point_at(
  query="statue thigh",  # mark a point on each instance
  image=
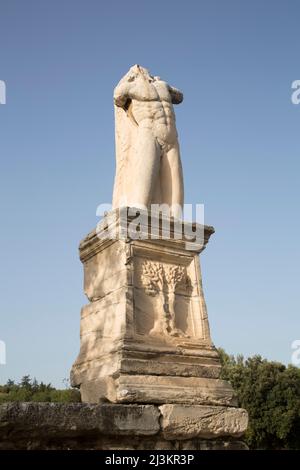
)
(144, 169)
(171, 175)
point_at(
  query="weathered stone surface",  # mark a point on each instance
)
(51, 419)
(35, 426)
(184, 365)
(163, 389)
(105, 272)
(98, 391)
(158, 389)
(187, 422)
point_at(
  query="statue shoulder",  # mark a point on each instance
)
(163, 90)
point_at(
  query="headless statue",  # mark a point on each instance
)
(148, 169)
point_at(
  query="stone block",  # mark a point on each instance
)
(206, 422)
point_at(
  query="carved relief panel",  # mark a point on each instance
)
(167, 296)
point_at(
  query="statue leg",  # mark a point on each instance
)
(145, 169)
(172, 181)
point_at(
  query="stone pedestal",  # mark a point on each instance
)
(144, 334)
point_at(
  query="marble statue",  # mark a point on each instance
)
(144, 332)
(148, 169)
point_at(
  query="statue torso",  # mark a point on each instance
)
(152, 108)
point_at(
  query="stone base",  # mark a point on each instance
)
(159, 389)
(145, 339)
(121, 427)
(144, 335)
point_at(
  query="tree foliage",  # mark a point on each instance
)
(30, 390)
(270, 392)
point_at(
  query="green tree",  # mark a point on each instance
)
(26, 382)
(270, 392)
(32, 390)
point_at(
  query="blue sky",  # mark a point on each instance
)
(235, 62)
